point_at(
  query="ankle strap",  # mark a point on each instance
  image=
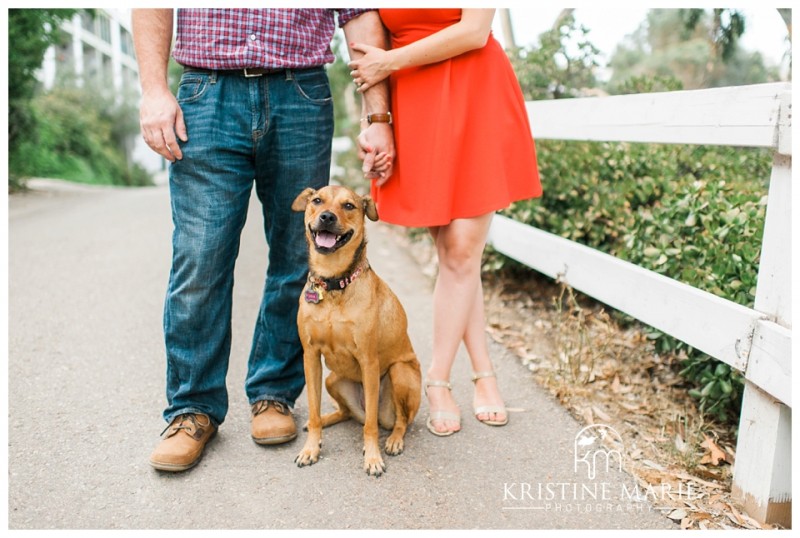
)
(480, 375)
(438, 383)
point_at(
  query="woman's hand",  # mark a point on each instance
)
(371, 68)
(376, 150)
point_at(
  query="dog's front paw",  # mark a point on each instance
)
(307, 456)
(394, 445)
(373, 465)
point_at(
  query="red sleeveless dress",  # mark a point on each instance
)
(463, 140)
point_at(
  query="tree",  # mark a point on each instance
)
(30, 33)
(562, 66)
(786, 15)
(723, 32)
(694, 48)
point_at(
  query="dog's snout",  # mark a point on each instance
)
(327, 217)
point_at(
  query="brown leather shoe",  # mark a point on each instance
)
(272, 423)
(183, 442)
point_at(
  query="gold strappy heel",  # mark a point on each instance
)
(440, 415)
(489, 408)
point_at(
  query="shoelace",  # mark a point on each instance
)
(263, 405)
(180, 424)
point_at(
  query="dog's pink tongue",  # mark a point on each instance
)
(325, 239)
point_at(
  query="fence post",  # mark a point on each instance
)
(762, 477)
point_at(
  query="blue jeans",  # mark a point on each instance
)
(274, 130)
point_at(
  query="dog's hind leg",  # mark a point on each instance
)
(348, 396)
(406, 382)
(386, 413)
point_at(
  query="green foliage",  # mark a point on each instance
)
(706, 233)
(699, 48)
(30, 33)
(693, 213)
(724, 31)
(80, 136)
(645, 84)
(719, 391)
(561, 66)
(346, 101)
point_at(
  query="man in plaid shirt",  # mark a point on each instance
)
(253, 106)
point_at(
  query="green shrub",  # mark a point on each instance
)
(78, 136)
(692, 213)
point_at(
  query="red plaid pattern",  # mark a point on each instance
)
(270, 38)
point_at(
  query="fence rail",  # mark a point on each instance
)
(756, 341)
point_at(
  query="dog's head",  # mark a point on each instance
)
(334, 217)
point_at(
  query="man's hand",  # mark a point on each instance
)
(161, 119)
(376, 149)
(160, 116)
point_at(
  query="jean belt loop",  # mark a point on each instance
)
(213, 77)
(289, 74)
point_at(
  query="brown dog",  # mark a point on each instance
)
(351, 317)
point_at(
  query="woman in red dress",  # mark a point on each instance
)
(464, 150)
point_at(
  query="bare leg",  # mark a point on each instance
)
(460, 247)
(486, 391)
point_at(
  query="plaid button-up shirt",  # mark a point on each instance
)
(270, 38)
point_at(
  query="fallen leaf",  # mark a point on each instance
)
(685, 476)
(680, 444)
(587, 416)
(653, 465)
(739, 521)
(677, 514)
(615, 385)
(715, 454)
(743, 519)
(730, 455)
(601, 415)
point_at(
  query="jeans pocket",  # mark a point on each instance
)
(192, 87)
(313, 85)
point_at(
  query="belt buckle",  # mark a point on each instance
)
(248, 74)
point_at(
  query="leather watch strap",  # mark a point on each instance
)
(379, 118)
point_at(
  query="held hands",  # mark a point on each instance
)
(377, 164)
(370, 68)
(376, 141)
(161, 119)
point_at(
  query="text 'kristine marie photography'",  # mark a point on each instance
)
(597, 448)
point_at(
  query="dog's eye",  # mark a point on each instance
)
(316, 201)
(348, 206)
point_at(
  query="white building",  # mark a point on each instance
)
(99, 49)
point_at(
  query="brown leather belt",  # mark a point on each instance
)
(246, 72)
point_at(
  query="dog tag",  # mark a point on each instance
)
(313, 295)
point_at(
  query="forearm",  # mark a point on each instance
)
(367, 28)
(470, 33)
(152, 39)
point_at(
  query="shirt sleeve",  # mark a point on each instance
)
(345, 15)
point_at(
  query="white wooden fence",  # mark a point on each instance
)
(755, 341)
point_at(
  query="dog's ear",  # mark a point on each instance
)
(301, 201)
(369, 208)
